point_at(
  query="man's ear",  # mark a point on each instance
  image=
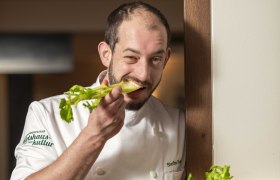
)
(168, 54)
(105, 53)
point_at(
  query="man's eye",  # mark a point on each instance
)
(131, 59)
(157, 60)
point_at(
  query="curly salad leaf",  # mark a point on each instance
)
(216, 173)
(78, 93)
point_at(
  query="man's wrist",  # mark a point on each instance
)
(92, 139)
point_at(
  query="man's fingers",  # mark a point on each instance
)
(105, 82)
(114, 95)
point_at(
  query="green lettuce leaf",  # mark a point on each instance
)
(77, 93)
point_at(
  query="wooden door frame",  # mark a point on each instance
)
(4, 126)
(198, 81)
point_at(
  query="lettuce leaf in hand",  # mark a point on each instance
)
(78, 93)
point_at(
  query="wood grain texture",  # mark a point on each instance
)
(198, 86)
(4, 135)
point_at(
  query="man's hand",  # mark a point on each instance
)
(107, 119)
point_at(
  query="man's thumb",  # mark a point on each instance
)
(105, 82)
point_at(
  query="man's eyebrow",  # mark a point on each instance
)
(161, 51)
(132, 50)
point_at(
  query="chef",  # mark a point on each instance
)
(128, 136)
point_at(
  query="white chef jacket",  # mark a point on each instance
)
(150, 145)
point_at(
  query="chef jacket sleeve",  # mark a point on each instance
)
(35, 149)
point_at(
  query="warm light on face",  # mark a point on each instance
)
(139, 55)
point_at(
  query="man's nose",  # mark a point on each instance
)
(143, 70)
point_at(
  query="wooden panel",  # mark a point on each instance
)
(198, 86)
(71, 15)
(3, 128)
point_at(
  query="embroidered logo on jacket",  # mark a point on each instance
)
(38, 138)
(173, 163)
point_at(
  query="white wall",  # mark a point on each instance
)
(246, 87)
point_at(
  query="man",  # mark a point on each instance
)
(128, 136)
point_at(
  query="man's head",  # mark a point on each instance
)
(125, 12)
(136, 48)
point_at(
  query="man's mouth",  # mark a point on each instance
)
(137, 92)
(142, 87)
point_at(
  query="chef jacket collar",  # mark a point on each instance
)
(99, 78)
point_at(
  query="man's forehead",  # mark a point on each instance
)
(142, 19)
(139, 28)
(148, 18)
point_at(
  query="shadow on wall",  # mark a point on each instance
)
(198, 100)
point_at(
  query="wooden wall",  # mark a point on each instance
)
(198, 86)
(4, 128)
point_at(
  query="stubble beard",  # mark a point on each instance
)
(129, 106)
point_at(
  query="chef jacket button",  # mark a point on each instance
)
(153, 174)
(100, 171)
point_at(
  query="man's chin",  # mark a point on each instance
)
(136, 105)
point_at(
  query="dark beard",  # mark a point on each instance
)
(113, 80)
(137, 106)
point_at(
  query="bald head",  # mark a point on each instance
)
(148, 19)
(149, 16)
